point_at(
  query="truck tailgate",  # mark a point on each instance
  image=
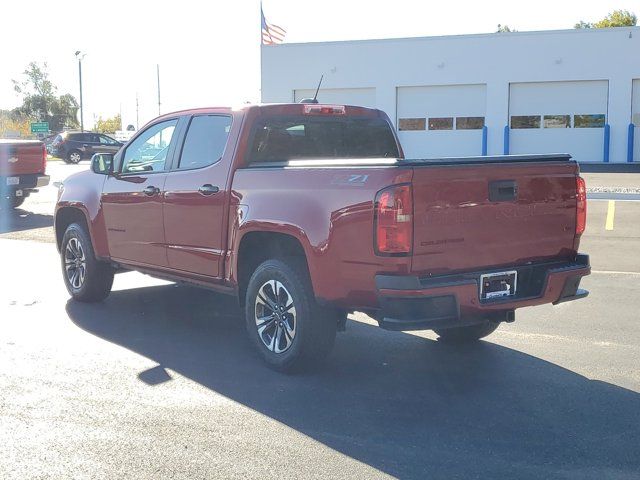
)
(483, 216)
(21, 157)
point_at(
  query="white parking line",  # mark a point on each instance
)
(616, 272)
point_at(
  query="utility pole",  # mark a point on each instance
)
(80, 56)
(158, 73)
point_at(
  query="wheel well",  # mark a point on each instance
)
(65, 217)
(257, 247)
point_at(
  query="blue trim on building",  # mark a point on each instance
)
(607, 141)
(505, 149)
(630, 139)
(485, 132)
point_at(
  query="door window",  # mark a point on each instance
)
(148, 152)
(104, 140)
(205, 141)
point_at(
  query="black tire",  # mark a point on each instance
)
(95, 284)
(17, 201)
(467, 334)
(314, 328)
(73, 157)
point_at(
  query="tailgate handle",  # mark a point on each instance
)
(503, 190)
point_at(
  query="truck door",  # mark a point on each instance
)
(195, 202)
(132, 198)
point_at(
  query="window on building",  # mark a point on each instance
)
(557, 121)
(412, 124)
(469, 123)
(525, 121)
(441, 123)
(205, 141)
(589, 121)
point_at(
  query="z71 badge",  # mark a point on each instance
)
(354, 180)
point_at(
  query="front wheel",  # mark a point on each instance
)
(288, 328)
(87, 279)
(467, 334)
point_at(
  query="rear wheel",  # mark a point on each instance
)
(469, 333)
(74, 156)
(87, 279)
(288, 328)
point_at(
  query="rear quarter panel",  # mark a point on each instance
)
(330, 211)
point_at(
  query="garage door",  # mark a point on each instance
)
(363, 97)
(441, 120)
(559, 117)
(635, 119)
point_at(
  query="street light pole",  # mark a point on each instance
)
(80, 56)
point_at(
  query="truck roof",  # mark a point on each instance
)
(276, 109)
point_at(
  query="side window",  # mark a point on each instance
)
(104, 140)
(205, 141)
(91, 138)
(148, 152)
(81, 137)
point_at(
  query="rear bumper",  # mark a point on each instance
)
(420, 303)
(26, 183)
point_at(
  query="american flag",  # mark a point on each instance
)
(271, 34)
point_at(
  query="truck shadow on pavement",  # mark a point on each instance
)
(18, 220)
(405, 405)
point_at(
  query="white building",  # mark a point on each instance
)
(575, 91)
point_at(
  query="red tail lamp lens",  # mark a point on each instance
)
(394, 220)
(581, 205)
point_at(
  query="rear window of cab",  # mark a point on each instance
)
(278, 139)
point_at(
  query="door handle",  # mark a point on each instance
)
(208, 189)
(151, 190)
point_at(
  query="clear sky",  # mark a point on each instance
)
(209, 50)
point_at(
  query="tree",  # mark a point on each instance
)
(505, 29)
(617, 18)
(108, 125)
(583, 24)
(40, 102)
(11, 124)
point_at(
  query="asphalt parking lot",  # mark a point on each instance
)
(159, 381)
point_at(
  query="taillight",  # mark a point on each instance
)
(393, 224)
(581, 205)
(314, 109)
(44, 158)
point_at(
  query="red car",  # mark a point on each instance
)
(22, 170)
(307, 212)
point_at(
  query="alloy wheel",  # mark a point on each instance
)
(275, 316)
(75, 263)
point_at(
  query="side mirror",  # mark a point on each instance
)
(102, 163)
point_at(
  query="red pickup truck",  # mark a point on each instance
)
(22, 170)
(307, 212)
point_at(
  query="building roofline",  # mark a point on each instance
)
(571, 31)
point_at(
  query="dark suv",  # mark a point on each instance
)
(75, 146)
